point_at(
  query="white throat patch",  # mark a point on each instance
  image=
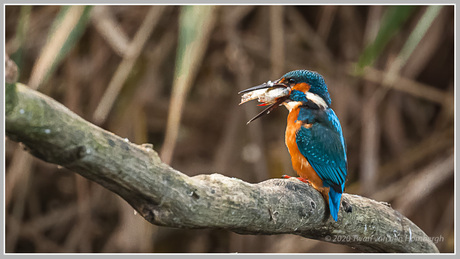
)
(291, 105)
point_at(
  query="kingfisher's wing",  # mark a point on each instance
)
(323, 146)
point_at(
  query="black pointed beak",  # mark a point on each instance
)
(262, 86)
(257, 87)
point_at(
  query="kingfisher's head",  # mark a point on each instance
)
(295, 88)
(306, 88)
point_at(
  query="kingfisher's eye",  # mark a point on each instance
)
(291, 80)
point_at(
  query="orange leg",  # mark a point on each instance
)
(298, 178)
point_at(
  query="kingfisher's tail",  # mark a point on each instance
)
(334, 203)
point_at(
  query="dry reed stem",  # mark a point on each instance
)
(53, 46)
(421, 184)
(277, 54)
(105, 24)
(191, 61)
(129, 59)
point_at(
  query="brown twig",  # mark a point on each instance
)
(431, 146)
(420, 185)
(105, 24)
(370, 143)
(124, 69)
(309, 35)
(326, 20)
(418, 188)
(406, 85)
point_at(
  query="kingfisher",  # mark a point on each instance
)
(313, 134)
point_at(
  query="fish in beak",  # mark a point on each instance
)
(270, 93)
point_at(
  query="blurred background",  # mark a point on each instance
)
(169, 75)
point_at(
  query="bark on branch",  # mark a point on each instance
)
(167, 197)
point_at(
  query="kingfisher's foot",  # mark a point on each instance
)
(298, 178)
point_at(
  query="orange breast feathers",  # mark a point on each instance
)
(299, 162)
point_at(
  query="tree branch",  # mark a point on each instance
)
(167, 197)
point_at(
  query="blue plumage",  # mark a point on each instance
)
(323, 146)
